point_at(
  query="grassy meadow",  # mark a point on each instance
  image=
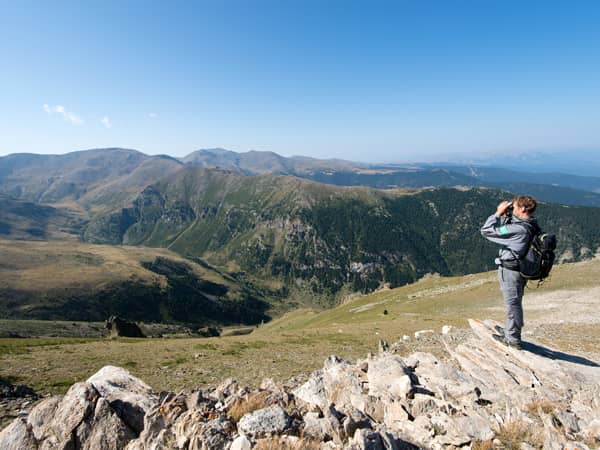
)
(74, 281)
(560, 313)
(38, 266)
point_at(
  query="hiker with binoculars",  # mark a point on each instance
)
(513, 227)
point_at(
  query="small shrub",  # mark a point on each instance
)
(513, 434)
(482, 445)
(546, 406)
(248, 403)
(438, 429)
(287, 443)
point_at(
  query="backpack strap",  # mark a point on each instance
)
(533, 229)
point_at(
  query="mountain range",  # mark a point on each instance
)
(262, 221)
(86, 175)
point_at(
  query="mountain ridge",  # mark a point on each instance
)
(301, 242)
(19, 178)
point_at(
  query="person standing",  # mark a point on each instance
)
(512, 226)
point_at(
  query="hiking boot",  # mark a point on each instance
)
(502, 340)
(499, 330)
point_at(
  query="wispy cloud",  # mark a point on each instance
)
(152, 115)
(106, 122)
(70, 117)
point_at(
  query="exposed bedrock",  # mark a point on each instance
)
(482, 393)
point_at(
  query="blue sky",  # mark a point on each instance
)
(371, 81)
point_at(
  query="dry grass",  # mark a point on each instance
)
(513, 434)
(287, 443)
(591, 441)
(545, 406)
(482, 445)
(42, 266)
(248, 403)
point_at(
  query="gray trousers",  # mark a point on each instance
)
(512, 285)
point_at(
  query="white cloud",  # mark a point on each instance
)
(153, 115)
(106, 122)
(70, 117)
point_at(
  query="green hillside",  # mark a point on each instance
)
(320, 242)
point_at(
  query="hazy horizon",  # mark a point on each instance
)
(475, 158)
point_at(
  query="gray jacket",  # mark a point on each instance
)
(514, 235)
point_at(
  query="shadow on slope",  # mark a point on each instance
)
(557, 355)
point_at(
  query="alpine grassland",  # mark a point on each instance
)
(58, 280)
(562, 313)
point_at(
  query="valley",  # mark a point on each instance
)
(108, 232)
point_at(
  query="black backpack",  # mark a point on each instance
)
(537, 262)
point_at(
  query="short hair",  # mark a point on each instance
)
(526, 201)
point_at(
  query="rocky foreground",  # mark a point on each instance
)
(484, 395)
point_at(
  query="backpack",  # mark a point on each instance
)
(537, 262)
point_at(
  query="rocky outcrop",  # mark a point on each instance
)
(118, 327)
(481, 395)
(106, 411)
(209, 331)
(9, 390)
(15, 401)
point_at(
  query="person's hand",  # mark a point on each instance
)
(502, 207)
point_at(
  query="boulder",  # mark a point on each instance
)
(316, 427)
(129, 396)
(264, 421)
(209, 331)
(17, 436)
(339, 382)
(119, 327)
(184, 421)
(103, 429)
(15, 401)
(60, 428)
(366, 440)
(389, 376)
(212, 434)
(104, 412)
(241, 443)
(10, 391)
